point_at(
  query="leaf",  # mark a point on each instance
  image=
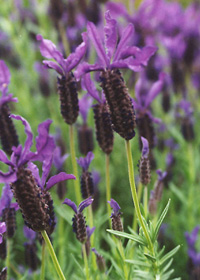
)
(167, 266)
(178, 193)
(169, 255)
(140, 263)
(151, 258)
(160, 220)
(133, 237)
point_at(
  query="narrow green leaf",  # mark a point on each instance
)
(127, 235)
(167, 266)
(169, 255)
(140, 263)
(151, 258)
(160, 220)
(178, 193)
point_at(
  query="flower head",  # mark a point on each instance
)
(85, 162)
(191, 239)
(145, 147)
(112, 55)
(62, 66)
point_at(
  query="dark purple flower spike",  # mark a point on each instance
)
(116, 215)
(103, 125)
(87, 185)
(144, 164)
(100, 261)
(2, 230)
(8, 133)
(85, 133)
(79, 224)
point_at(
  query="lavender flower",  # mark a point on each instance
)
(8, 210)
(87, 243)
(191, 239)
(8, 133)
(85, 137)
(67, 87)
(116, 215)
(79, 224)
(144, 165)
(31, 258)
(29, 196)
(87, 185)
(104, 132)
(100, 261)
(122, 56)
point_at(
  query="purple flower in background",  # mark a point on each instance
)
(145, 147)
(191, 239)
(85, 104)
(2, 230)
(115, 55)
(29, 234)
(116, 215)
(161, 175)
(85, 162)
(58, 159)
(79, 224)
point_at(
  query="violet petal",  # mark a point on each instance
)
(85, 162)
(53, 65)
(90, 87)
(71, 204)
(85, 68)
(4, 75)
(94, 36)
(155, 90)
(114, 205)
(85, 204)
(145, 147)
(126, 36)
(29, 233)
(110, 31)
(62, 176)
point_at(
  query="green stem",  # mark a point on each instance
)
(74, 165)
(53, 255)
(90, 215)
(134, 195)
(85, 262)
(108, 191)
(9, 243)
(139, 194)
(145, 201)
(121, 250)
(61, 240)
(43, 262)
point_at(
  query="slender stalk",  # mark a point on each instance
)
(108, 191)
(85, 262)
(43, 262)
(19, 275)
(139, 194)
(9, 243)
(121, 250)
(134, 195)
(61, 240)
(145, 202)
(90, 216)
(74, 165)
(53, 255)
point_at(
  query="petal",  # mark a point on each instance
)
(129, 51)
(29, 138)
(29, 233)
(53, 65)
(110, 31)
(15, 206)
(2, 227)
(161, 175)
(126, 36)
(7, 98)
(85, 204)
(85, 104)
(145, 147)
(45, 144)
(46, 168)
(85, 68)
(8, 177)
(85, 162)
(4, 75)
(95, 38)
(71, 204)
(59, 160)
(155, 90)
(4, 159)
(62, 176)
(90, 231)
(49, 50)
(90, 87)
(74, 58)
(114, 205)
(130, 63)
(145, 54)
